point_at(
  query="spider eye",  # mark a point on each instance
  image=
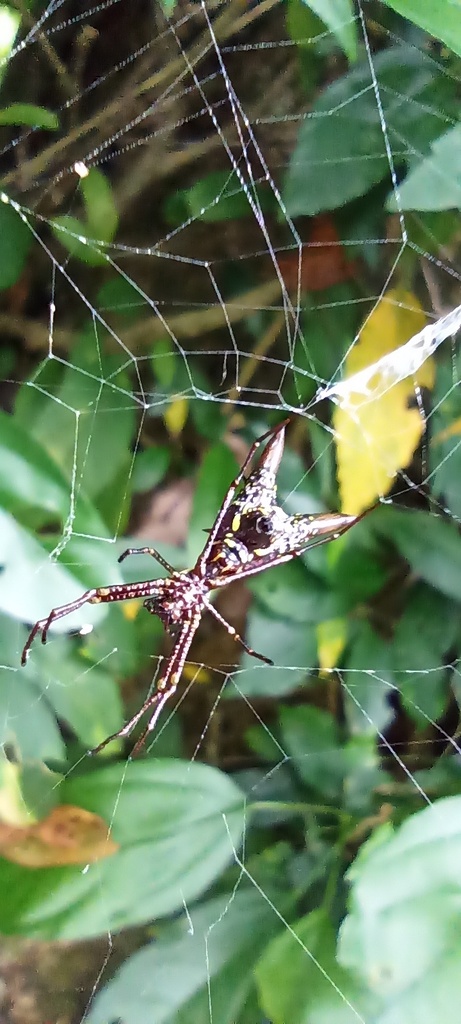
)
(263, 524)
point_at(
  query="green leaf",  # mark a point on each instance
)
(28, 474)
(177, 825)
(421, 643)
(29, 114)
(88, 424)
(85, 240)
(11, 21)
(402, 937)
(439, 18)
(27, 721)
(16, 242)
(340, 152)
(310, 737)
(165, 359)
(216, 472)
(30, 583)
(367, 682)
(120, 297)
(79, 240)
(300, 981)
(431, 545)
(150, 467)
(211, 952)
(295, 592)
(445, 449)
(30, 478)
(84, 696)
(101, 212)
(339, 18)
(207, 418)
(434, 182)
(216, 197)
(356, 573)
(292, 647)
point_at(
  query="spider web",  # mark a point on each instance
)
(185, 316)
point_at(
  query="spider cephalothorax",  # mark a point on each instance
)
(251, 532)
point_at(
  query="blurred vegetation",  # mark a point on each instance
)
(309, 869)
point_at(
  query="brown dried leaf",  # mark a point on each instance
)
(68, 835)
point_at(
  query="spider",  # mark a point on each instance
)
(251, 532)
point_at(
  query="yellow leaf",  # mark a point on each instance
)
(176, 415)
(331, 641)
(196, 675)
(130, 609)
(378, 432)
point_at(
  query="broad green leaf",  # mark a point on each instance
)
(401, 936)
(291, 646)
(29, 114)
(16, 242)
(84, 696)
(28, 474)
(150, 467)
(294, 592)
(177, 825)
(300, 981)
(208, 955)
(340, 773)
(89, 426)
(29, 477)
(340, 152)
(434, 182)
(28, 792)
(310, 737)
(439, 18)
(28, 725)
(31, 584)
(356, 573)
(430, 544)
(422, 640)
(207, 418)
(377, 431)
(367, 682)
(339, 18)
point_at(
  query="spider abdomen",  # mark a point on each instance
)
(178, 599)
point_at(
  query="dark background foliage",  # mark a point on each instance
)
(265, 188)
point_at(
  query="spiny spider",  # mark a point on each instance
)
(250, 533)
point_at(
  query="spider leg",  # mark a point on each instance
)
(166, 688)
(98, 595)
(43, 625)
(147, 551)
(236, 636)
